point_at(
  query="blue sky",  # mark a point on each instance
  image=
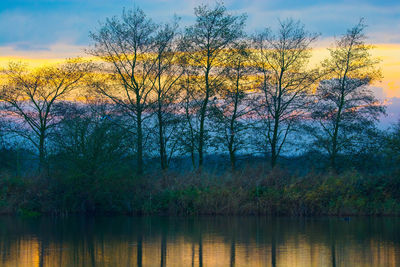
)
(36, 25)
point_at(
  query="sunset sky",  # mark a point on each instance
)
(41, 31)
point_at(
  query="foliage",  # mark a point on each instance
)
(248, 191)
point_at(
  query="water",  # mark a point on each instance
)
(203, 241)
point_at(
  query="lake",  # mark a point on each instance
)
(199, 241)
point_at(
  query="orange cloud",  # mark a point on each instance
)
(388, 53)
(390, 66)
(390, 56)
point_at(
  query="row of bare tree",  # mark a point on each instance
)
(207, 85)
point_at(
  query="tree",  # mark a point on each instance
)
(166, 90)
(188, 131)
(29, 97)
(345, 107)
(204, 45)
(285, 81)
(88, 137)
(230, 110)
(392, 146)
(127, 47)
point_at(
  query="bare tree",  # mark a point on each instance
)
(88, 136)
(204, 45)
(229, 112)
(126, 44)
(29, 97)
(286, 80)
(188, 131)
(166, 91)
(345, 106)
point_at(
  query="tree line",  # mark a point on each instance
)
(185, 92)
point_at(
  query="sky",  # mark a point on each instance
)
(50, 30)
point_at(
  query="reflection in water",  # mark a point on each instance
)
(203, 241)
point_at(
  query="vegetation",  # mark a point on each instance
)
(29, 98)
(285, 81)
(250, 191)
(204, 45)
(345, 108)
(201, 121)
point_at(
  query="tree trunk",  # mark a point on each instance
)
(201, 135)
(162, 141)
(139, 144)
(192, 157)
(232, 123)
(232, 157)
(202, 119)
(333, 160)
(274, 152)
(336, 130)
(231, 142)
(163, 153)
(274, 142)
(42, 153)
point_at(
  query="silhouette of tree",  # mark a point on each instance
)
(345, 107)
(29, 97)
(167, 91)
(204, 45)
(285, 81)
(234, 102)
(127, 46)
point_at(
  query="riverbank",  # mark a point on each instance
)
(246, 192)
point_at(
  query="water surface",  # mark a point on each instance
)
(202, 241)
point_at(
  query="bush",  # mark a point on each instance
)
(250, 191)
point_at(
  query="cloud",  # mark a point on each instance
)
(48, 21)
(330, 18)
(30, 47)
(34, 52)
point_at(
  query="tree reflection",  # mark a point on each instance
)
(201, 242)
